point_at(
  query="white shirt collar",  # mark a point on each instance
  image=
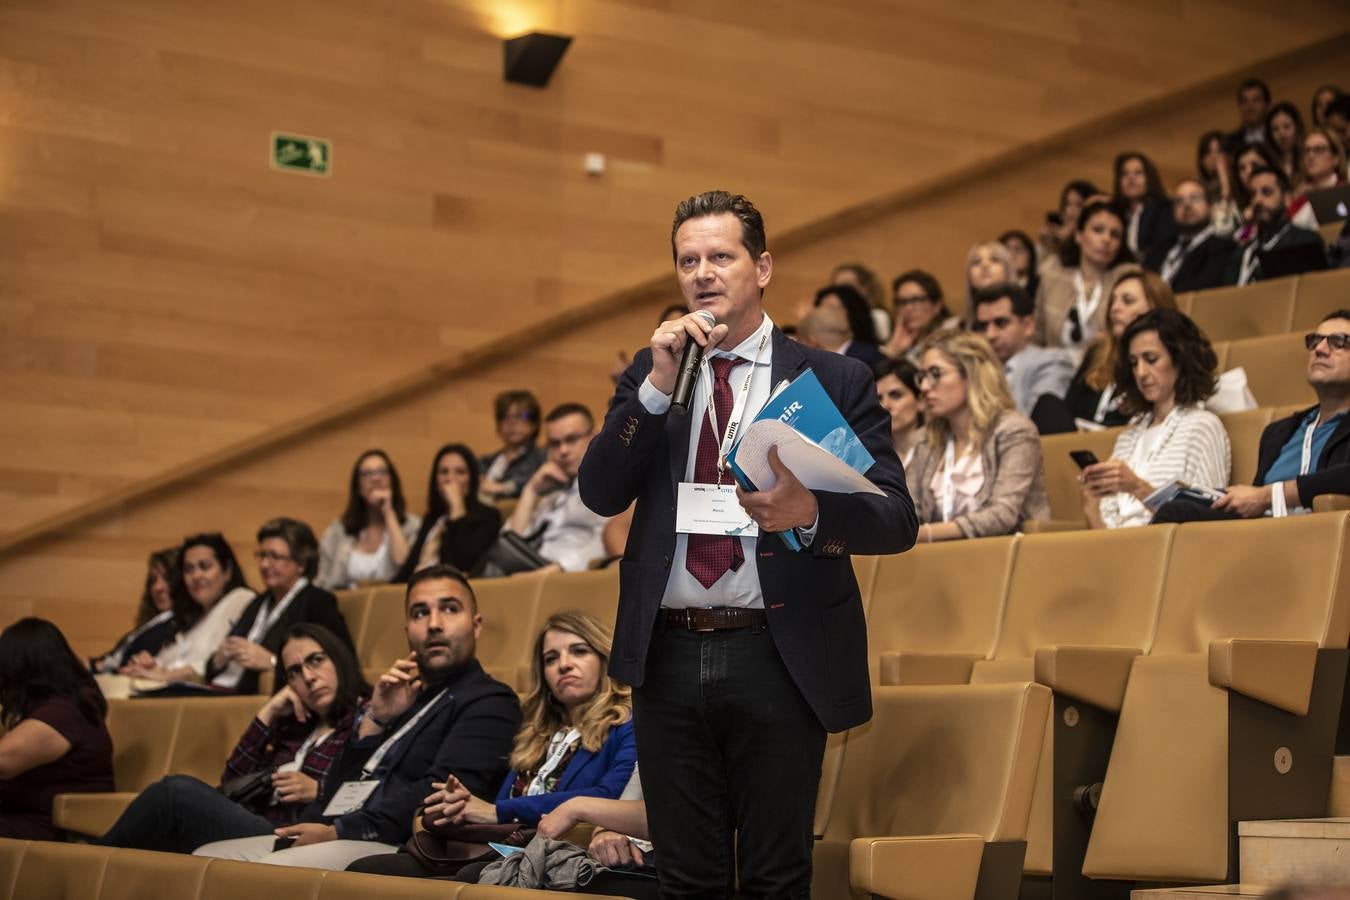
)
(747, 349)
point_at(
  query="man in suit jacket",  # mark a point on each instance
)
(1253, 99)
(288, 556)
(1006, 316)
(1270, 202)
(742, 653)
(1196, 260)
(1294, 465)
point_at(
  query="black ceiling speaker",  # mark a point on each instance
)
(531, 58)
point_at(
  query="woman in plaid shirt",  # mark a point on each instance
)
(295, 736)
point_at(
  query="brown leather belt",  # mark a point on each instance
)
(721, 618)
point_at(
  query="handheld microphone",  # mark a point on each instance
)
(690, 365)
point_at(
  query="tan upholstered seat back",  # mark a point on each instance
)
(1317, 294)
(941, 760)
(1234, 313)
(1244, 434)
(208, 730)
(355, 608)
(509, 607)
(1281, 579)
(865, 570)
(230, 880)
(11, 858)
(1061, 472)
(940, 598)
(1085, 587)
(61, 872)
(143, 733)
(383, 638)
(142, 875)
(595, 592)
(1276, 368)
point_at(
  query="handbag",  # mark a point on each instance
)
(511, 554)
(445, 849)
(252, 791)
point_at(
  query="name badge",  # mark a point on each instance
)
(350, 797)
(712, 509)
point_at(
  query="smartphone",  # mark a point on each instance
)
(282, 843)
(1084, 458)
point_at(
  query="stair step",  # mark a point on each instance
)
(1209, 892)
(1339, 802)
(1295, 851)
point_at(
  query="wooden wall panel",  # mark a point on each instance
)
(163, 294)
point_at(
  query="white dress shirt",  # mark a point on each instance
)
(194, 647)
(267, 616)
(574, 535)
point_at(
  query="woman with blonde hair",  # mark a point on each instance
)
(576, 739)
(988, 263)
(979, 470)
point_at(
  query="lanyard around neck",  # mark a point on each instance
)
(948, 488)
(737, 409)
(378, 756)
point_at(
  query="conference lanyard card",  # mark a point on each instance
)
(350, 797)
(712, 509)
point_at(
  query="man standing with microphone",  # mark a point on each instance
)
(742, 653)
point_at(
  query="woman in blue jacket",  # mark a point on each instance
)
(576, 740)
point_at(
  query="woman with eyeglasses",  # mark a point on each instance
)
(372, 539)
(278, 766)
(978, 471)
(1323, 167)
(154, 616)
(506, 472)
(1071, 303)
(287, 558)
(920, 310)
(1165, 368)
(458, 528)
(209, 594)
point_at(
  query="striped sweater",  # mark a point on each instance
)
(1193, 449)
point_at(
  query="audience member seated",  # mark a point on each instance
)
(1214, 168)
(898, 392)
(1270, 197)
(862, 342)
(1006, 317)
(867, 283)
(154, 616)
(517, 412)
(433, 716)
(619, 842)
(458, 528)
(1092, 400)
(1196, 260)
(275, 771)
(1251, 158)
(1323, 167)
(208, 597)
(1338, 119)
(288, 557)
(825, 328)
(1060, 225)
(1142, 199)
(1253, 99)
(978, 471)
(1284, 135)
(1026, 263)
(1293, 467)
(1165, 368)
(54, 740)
(576, 741)
(1069, 309)
(920, 311)
(372, 539)
(1321, 99)
(550, 514)
(987, 264)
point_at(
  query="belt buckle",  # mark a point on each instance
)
(706, 616)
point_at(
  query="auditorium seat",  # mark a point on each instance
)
(383, 638)
(355, 608)
(865, 570)
(1235, 685)
(509, 607)
(1061, 472)
(141, 874)
(61, 871)
(1276, 368)
(595, 591)
(933, 795)
(1234, 313)
(1244, 434)
(1317, 294)
(230, 880)
(936, 609)
(11, 858)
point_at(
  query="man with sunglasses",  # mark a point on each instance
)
(1006, 316)
(1301, 456)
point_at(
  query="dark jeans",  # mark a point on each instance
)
(1190, 511)
(178, 814)
(730, 756)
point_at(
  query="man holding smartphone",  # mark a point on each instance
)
(550, 507)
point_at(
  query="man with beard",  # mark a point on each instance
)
(1270, 200)
(1195, 261)
(435, 712)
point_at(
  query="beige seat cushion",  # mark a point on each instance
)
(1276, 368)
(1234, 313)
(65, 871)
(509, 607)
(595, 591)
(143, 733)
(1244, 435)
(11, 858)
(355, 608)
(230, 880)
(89, 814)
(383, 638)
(142, 875)
(1061, 472)
(209, 729)
(1319, 293)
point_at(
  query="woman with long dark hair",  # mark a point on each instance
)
(285, 752)
(1284, 135)
(371, 540)
(1071, 304)
(55, 741)
(208, 596)
(920, 311)
(1143, 201)
(851, 302)
(154, 615)
(1215, 171)
(458, 528)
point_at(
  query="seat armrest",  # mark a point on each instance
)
(89, 814)
(922, 867)
(1331, 502)
(1047, 526)
(1279, 673)
(1093, 675)
(911, 667)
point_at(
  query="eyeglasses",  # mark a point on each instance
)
(930, 375)
(1075, 326)
(373, 474)
(310, 663)
(1315, 149)
(268, 555)
(999, 323)
(1336, 340)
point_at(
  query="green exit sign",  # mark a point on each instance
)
(297, 153)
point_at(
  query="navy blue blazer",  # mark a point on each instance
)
(811, 598)
(604, 773)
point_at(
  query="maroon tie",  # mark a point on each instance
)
(710, 555)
